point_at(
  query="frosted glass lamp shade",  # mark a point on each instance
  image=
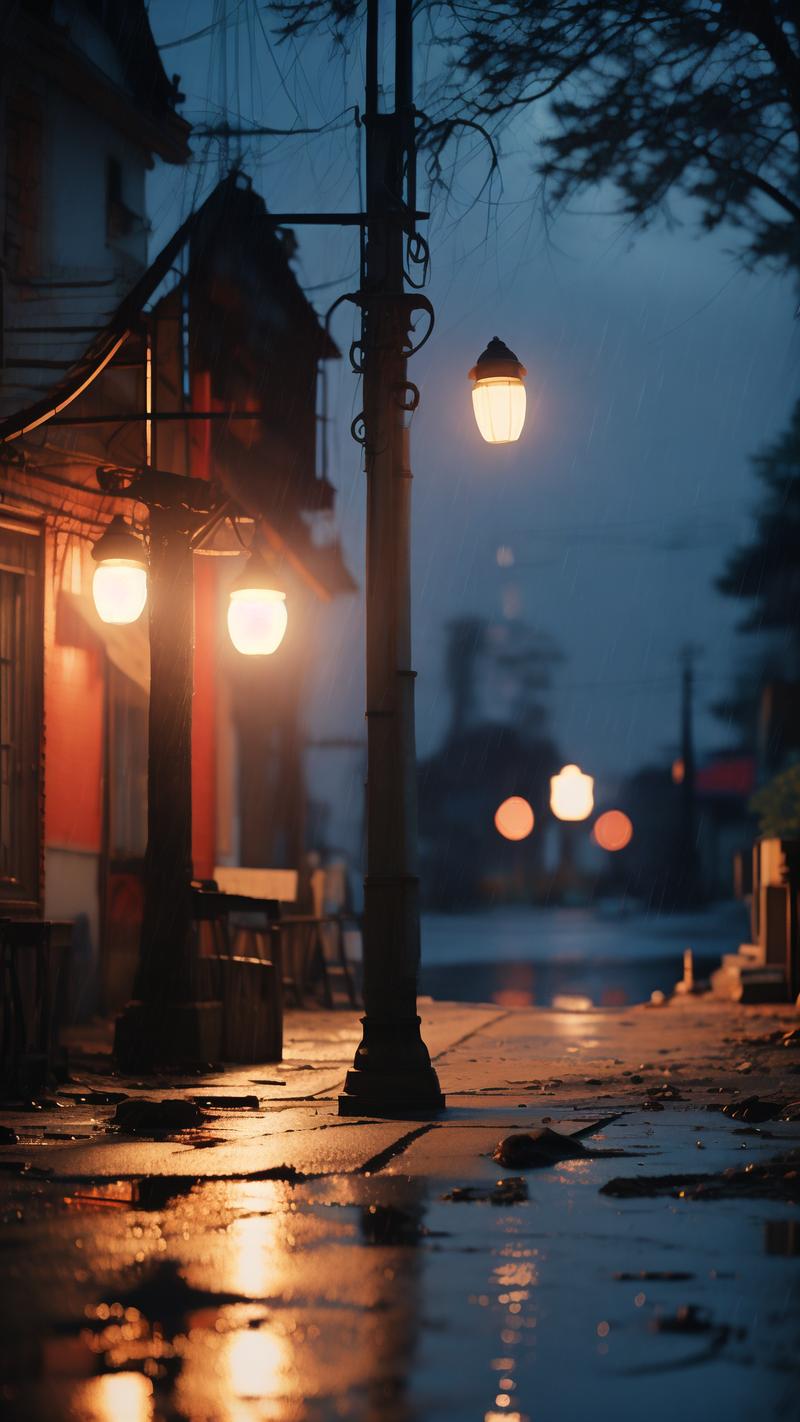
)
(119, 589)
(499, 407)
(119, 584)
(498, 394)
(257, 619)
(571, 794)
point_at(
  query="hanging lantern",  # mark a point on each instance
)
(498, 394)
(571, 794)
(119, 583)
(257, 615)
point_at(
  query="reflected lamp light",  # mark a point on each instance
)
(571, 794)
(257, 615)
(498, 394)
(119, 582)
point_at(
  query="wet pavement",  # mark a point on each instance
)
(273, 1262)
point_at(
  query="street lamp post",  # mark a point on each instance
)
(392, 1072)
(165, 1023)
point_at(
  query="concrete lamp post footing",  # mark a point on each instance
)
(168, 1035)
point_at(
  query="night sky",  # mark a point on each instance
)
(657, 366)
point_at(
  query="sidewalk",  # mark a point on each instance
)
(273, 1261)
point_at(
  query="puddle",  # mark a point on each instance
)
(370, 1297)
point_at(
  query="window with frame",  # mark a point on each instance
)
(21, 659)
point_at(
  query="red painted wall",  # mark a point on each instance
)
(204, 750)
(206, 614)
(73, 719)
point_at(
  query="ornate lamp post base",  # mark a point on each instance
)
(392, 1074)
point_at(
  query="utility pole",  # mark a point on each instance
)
(392, 1073)
(688, 823)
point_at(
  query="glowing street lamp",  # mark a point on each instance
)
(498, 394)
(571, 794)
(119, 582)
(257, 615)
(613, 831)
(514, 818)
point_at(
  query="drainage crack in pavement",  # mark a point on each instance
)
(471, 1033)
(391, 1152)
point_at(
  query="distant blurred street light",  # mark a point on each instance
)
(119, 583)
(514, 818)
(498, 394)
(257, 615)
(613, 831)
(571, 794)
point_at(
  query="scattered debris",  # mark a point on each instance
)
(389, 1225)
(228, 1103)
(745, 1068)
(543, 1147)
(139, 1117)
(8, 1136)
(540, 1147)
(650, 1105)
(689, 1318)
(25, 1167)
(777, 1179)
(653, 1276)
(95, 1098)
(752, 1109)
(511, 1191)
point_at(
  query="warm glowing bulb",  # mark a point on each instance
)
(514, 818)
(613, 831)
(257, 619)
(571, 794)
(499, 404)
(119, 589)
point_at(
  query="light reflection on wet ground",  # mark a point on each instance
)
(370, 1298)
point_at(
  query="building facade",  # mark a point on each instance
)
(201, 365)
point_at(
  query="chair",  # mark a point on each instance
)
(295, 931)
(329, 890)
(34, 960)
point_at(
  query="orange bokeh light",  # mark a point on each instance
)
(613, 830)
(514, 818)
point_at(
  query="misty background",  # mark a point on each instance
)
(656, 367)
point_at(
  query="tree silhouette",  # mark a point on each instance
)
(658, 98)
(766, 571)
